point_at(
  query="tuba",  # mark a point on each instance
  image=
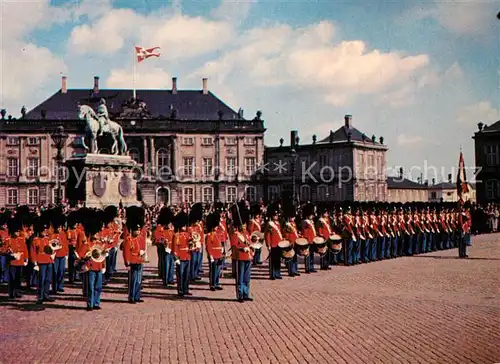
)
(51, 248)
(98, 253)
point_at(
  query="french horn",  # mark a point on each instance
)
(195, 240)
(51, 248)
(98, 253)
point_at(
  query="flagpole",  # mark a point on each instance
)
(134, 74)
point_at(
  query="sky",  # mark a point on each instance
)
(421, 74)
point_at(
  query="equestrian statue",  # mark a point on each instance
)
(98, 125)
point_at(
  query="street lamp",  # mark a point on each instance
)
(59, 138)
(293, 154)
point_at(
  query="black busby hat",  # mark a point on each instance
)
(196, 213)
(273, 209)
(239, 214)
(165, 217)
(213, 221)
(219, 206)
(110, 213)
(255, 210)
(4, 217)
(72, 219)
(180, 220)
(321, 208)
(135, 217)
(289, 210)
(57, 217)
(91, 220)
(308, 210)
(14, 225)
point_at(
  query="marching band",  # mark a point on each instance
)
(87, 241)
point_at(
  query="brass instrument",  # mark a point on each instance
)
(98, 253)
(51, 248)
(195, 242)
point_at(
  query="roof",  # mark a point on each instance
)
(444, 186)
(189, 104)
(405, 184)
(341, 135)
(493, 127)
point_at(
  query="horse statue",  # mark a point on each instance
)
(111, 128)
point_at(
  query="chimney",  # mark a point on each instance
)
(449, 177)
(64, 85)
(205, 86)
(174, 85)
(293, 138)
(348, 121)
(96, 84)
(433, 181)
(400, 172)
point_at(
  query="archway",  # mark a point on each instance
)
(163, 195)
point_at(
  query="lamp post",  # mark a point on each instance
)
(59, 138)
(293, 154)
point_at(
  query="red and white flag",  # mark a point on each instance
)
(462, 187)
(143, 53)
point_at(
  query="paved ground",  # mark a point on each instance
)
(432, 308)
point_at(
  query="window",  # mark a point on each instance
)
(230, 140)
(250, 165)
(491, 155)
(371, 161)
(54, 194)
(134, 154)
(59, 171)
(322, 193)
(323, 160)
(207, 141)
(492, 189)
(163, 158)
(188, 166)
(305, 193)
(13, 141)
(33, 167)
(249, 141)
(208, 194)
(12, 167)
(207, 166)
(433, 195)
(33, 140)
(272, 193)
(12, 196)
(188, 194)
(188, 141)
(32, 196)
(251, 193)
(231, 194)
(231, 166)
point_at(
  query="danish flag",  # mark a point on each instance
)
(143, 53)
(462, 187)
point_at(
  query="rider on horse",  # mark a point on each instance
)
(102, 115)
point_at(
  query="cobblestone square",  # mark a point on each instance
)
(431, 308)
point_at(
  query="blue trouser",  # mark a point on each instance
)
(160, 253)
(372, 254)
(244, 269)
(275, 263)
(462, 245)
(71, 264)
(309, 260)
(408, 245)
(183, 277)
(365, 250)
(387, 247)
(193, 266)
(395, 246)
(214, 269)
(4, 269)
(44, 280)
(59, 270)
(347, 253)
(291, 265)
(85, 283)
(381, 247)
(334, 257)
(15, 273)
(256, 257)
(423, 244)
(168, 268)
(95, 289)
(199, 264)
(233, 267)
(115, 259)
(429, 237)
(468, 239)
(415, 242)
(357, 251)
(443, 241)
(324, 260)
(110, 261)
(135, 282)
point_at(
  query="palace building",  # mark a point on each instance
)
(188, 144)
(346, 165)
(487, 151)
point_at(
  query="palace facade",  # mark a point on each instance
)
(346, 165)
(487, 153)
(188, 144)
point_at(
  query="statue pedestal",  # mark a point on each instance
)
(100, 180)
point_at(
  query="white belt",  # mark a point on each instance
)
(184, 249)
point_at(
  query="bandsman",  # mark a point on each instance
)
(181, 249)
(273, 236)
(58, 220)
(196, 227)
(291, 233)
(17, 252)
(325, 231)
(215, 250)
(164, 236)
(255, 224)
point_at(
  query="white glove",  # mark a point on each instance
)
(53, 256)
(177, 262)
(103, 270)
(36, 268)
(25, 263)
(246, 249)
(16, 256)
(212, 260)
(141, 252)
(107, 254)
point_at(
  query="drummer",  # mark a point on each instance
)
(325, 231)
(273, 237)
(309, 232)
(291, 234)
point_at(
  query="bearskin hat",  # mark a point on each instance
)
(91, 220)
(273, 209)
(255, 210)
(196, 213)
(181, 220)
(165, 217)
(4, 217)
(14, 224)
(289, 210)
(136, 217)
(111, 212)
(213, 221)
(240, 214)
(308, 210)
(73, 219)
(321, 209)
(57, 217)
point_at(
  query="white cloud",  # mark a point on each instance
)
(482, 111)
(404, 140)
(234, 11)
(153, 78)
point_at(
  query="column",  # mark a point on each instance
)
(146, 159)
(153, 156)
(173, 155)
(3, 156)
(216, 167)
(22, 157)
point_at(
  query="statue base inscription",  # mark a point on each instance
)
(99, 180)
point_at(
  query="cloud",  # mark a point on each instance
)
(309, 59)
(152, 78)
(234, 11)
(410, 140)
(481, 111)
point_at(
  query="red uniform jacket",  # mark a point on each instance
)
(290, 232)
(132, 247)
(18, 245)
(253, 226)
(71, 236)
(180, 246)
(214, 246)
(243, 251)
(273, 235)
(63, 241)
(221, 233)
(85, 247)
(308, 230)
(198, 227)
(324, 229)
(4, 234)
(158, 235)
(37, 253)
